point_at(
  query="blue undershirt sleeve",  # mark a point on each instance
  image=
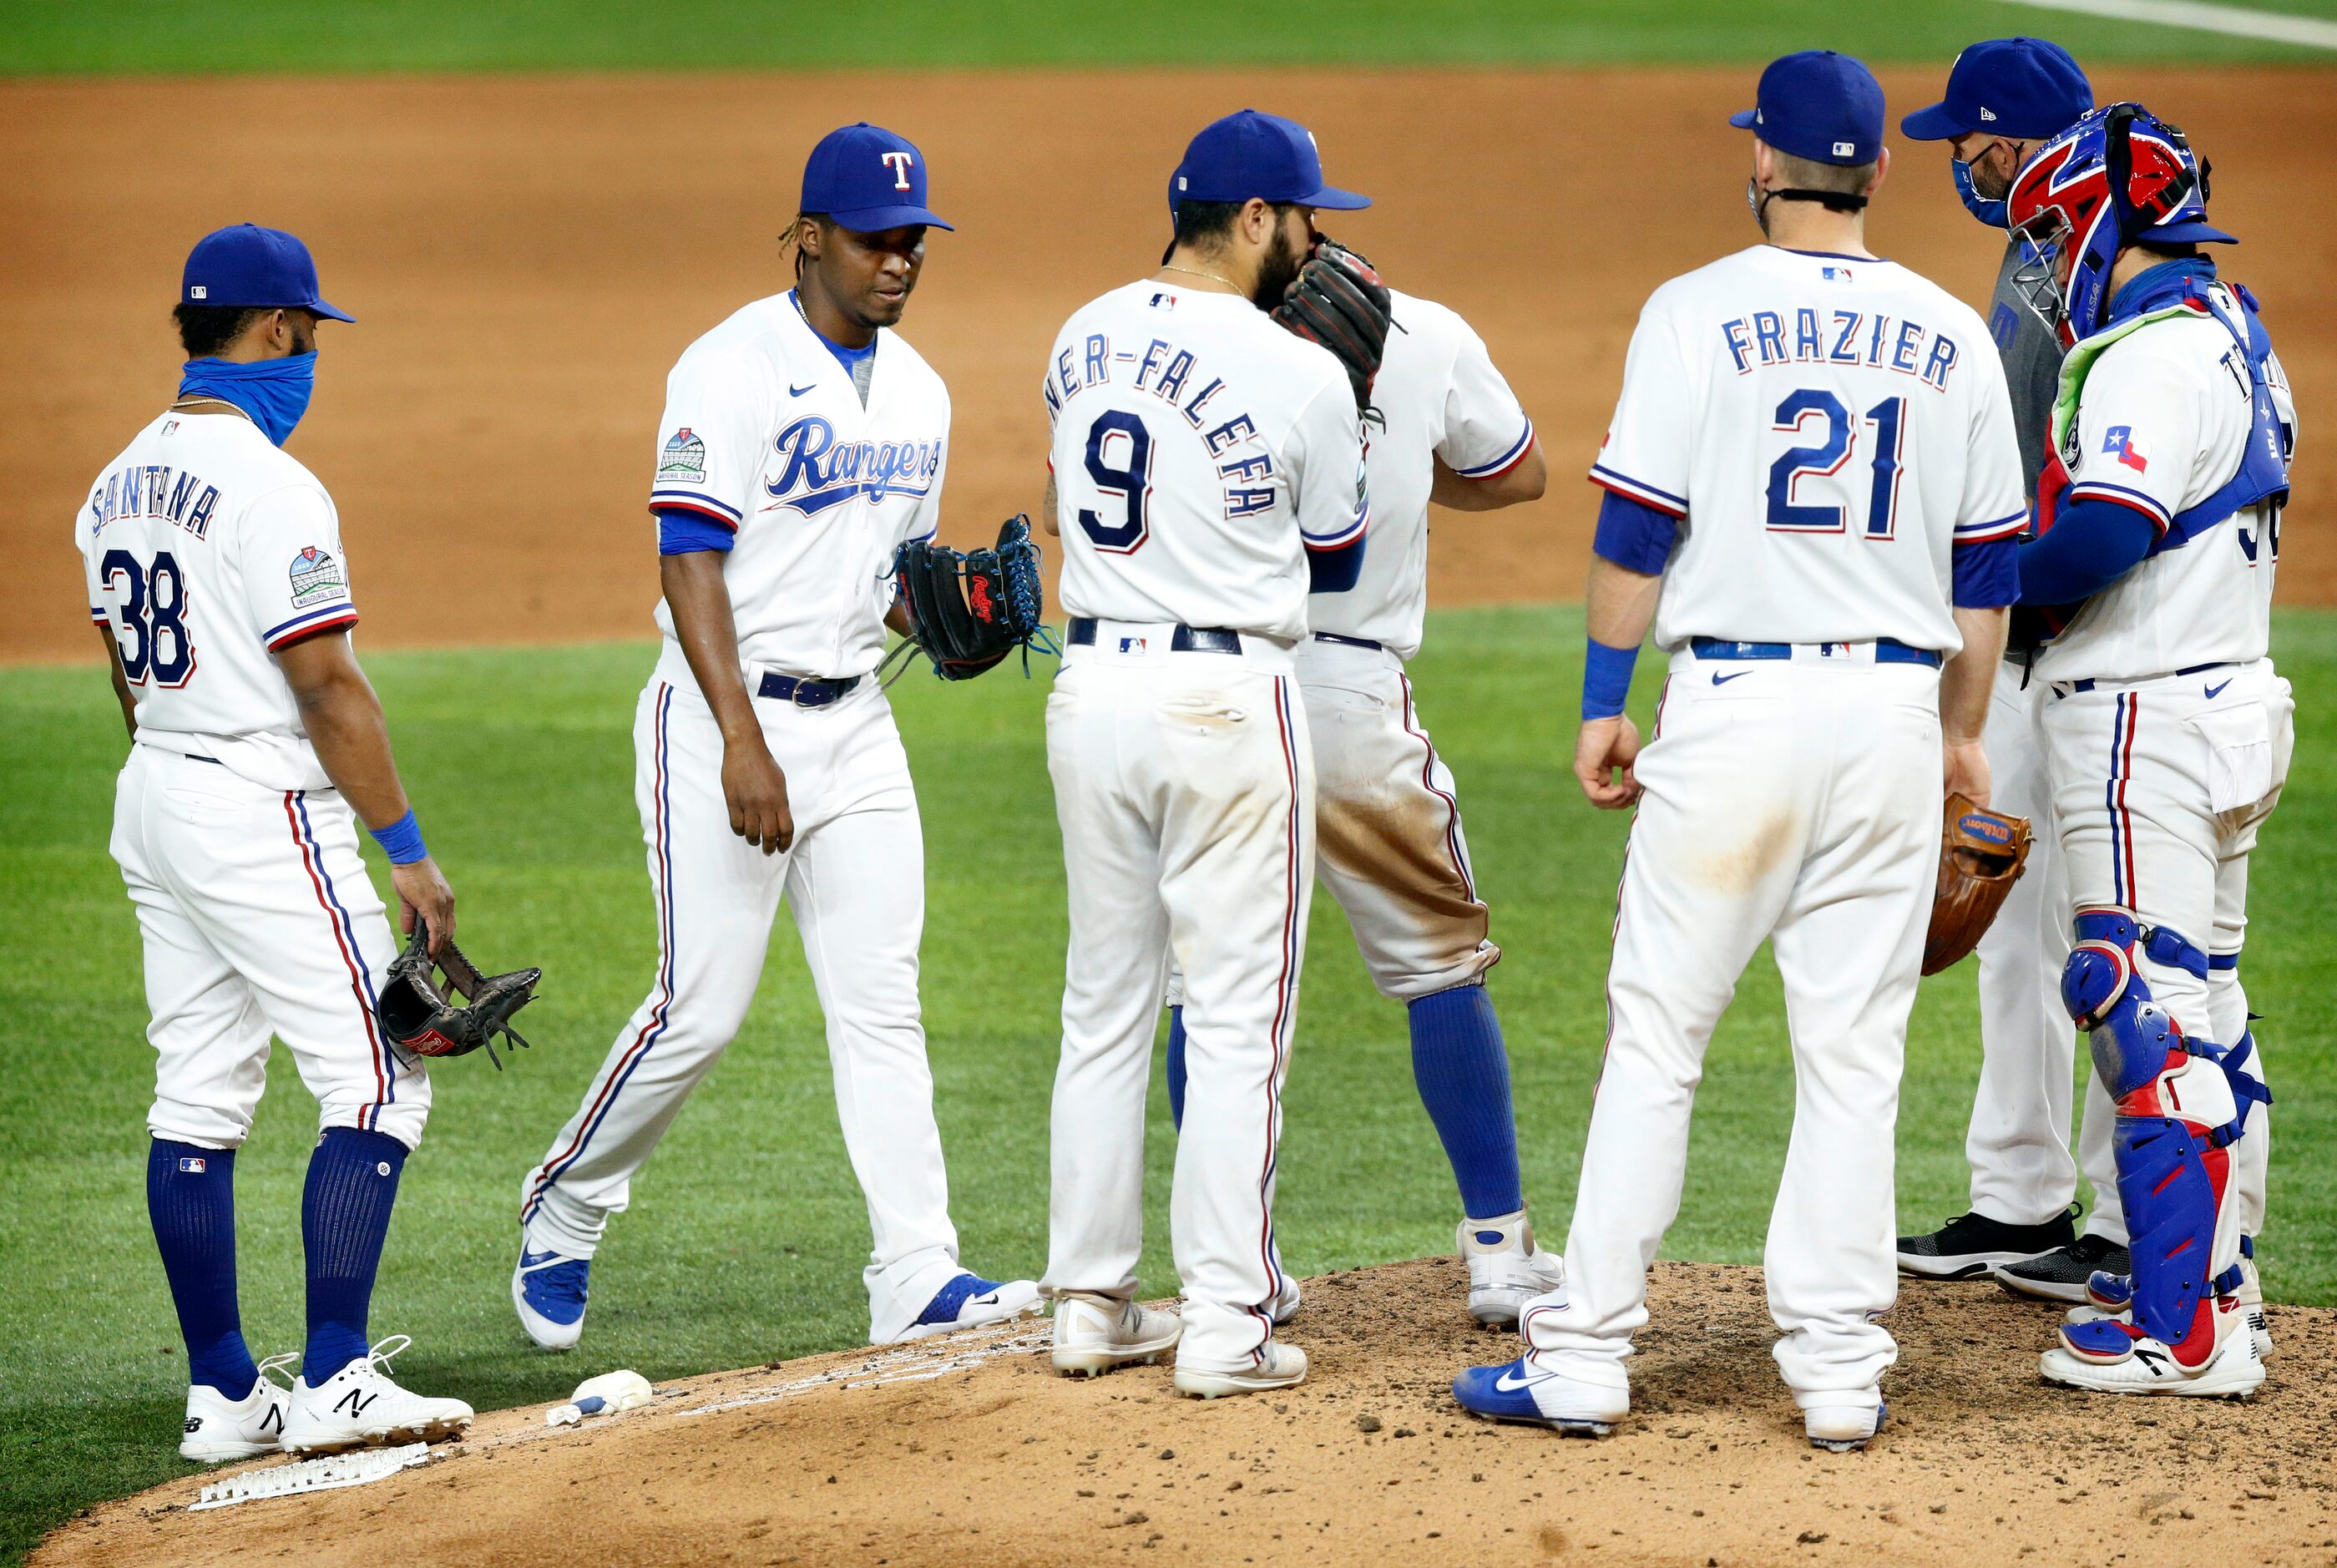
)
(1986, 574)
(2091, 545)
(1634, 535)
(679, 532)
(1336, 571)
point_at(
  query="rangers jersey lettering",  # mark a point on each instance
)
(1198, 451)
(1441, 397)
(765, 433)
(1829, 427)
(206, 549)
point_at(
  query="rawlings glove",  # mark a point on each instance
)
(1981, 855)
(1338, 301)
(419, 1016)
(969, 612)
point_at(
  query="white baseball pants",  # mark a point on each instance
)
(257, 919)
(1797, 802)
(2019, 1143)
(1184, 784)
(2160, 788)
(856, 880)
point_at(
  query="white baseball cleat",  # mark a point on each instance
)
(549, 1292)
(2234, 1372)
(1506, 1270)
(2108, 1297)
(969, 1301)
(220, 1428)
(1532, 1394)
(1278, 1366)
(360, 1408)
(1094, 1334)
(1846, 1427)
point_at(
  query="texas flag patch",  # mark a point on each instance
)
(2121, 440)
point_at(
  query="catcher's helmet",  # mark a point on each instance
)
(2117, 177)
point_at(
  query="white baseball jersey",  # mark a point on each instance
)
(206, 548)
(2161, 424)
(1829, 427)
(1442, 398)
(765, 434)
(1198, 450)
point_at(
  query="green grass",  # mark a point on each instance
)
(747, 1233)
(279, 35)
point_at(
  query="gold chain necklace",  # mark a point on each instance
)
(1212, 277)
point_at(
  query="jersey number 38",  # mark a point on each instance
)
(1815, 412)
(150, 624)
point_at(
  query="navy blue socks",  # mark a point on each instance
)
(344, 1219)
(190, 1198)
(1176, 1066)
(1464, 1073)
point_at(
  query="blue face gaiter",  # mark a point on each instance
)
(1992, 213)
(274, 392)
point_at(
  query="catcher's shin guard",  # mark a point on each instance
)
(2180, 1104)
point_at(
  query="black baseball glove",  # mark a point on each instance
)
(1338, 301)
(420, 1018)
(968, 612)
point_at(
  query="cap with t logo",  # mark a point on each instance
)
(865, 179)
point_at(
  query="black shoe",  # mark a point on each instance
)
(1972, 1244)
(2060, 1275)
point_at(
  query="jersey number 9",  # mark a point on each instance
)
(151, 625)
(1829, 457)
(1118, 433)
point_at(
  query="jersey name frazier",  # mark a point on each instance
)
(1873, 340)
(1177, 377)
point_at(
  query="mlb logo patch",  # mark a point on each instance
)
(1163, 300)
(1835, 274)
(190, 1166)
(2120, 440)
(1132, 645)
(1845, 149)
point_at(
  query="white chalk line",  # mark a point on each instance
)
(2235, 21)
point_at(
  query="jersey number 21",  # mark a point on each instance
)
(1837, 435)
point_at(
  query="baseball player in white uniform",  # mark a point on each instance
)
(218, 581)
(802, 443)
(1813, 487)
(2167, 731)
(2005, 98)
(1202, 457)
(1389, 841)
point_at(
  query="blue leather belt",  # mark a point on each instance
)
(1349, 642)
(802, 690)
(1887, 650)
(2071, 688)
(1182, 639)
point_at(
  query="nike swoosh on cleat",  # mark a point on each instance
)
(2215, 691)
(1510, 1384)
(989, 1300)
(1720, 680)
(796, 391)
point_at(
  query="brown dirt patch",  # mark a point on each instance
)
(856, 1458)
(529, 254)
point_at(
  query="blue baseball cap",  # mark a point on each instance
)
(1257, 154)
(2024, 88)
(254, 268)
(1820, 105)
(867, 179)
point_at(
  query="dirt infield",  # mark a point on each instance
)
(974, 1452)
(528, 255)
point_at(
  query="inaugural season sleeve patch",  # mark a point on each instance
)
(683, 462)
(315, 578)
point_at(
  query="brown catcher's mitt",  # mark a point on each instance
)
(1981, 855)
(1338, 301)
(420, 1016)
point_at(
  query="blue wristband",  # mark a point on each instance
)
(401, 840)
(1606, 678)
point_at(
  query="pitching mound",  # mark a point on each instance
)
(970, 1450)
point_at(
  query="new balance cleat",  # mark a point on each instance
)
(2110, 1356)
(220, 1428)
(1506, 1270)
(1531, 1394)
(1094, 1334)
(360, 1408)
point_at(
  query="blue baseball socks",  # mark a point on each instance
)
(190, 1198)
(344, 1219)
(1462, 1069)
